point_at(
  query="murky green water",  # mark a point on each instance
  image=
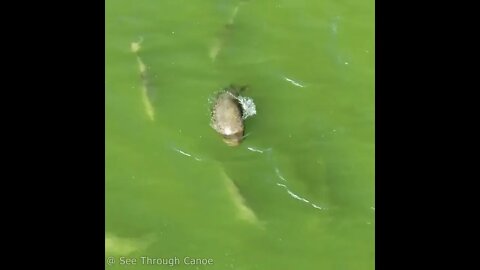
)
(298, 193)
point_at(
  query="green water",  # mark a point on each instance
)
(305, 172)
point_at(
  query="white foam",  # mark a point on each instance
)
(248, 106)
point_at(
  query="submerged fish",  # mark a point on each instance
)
(243, 210)
(226, 31)
(135, 48)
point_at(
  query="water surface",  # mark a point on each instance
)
(298, 193)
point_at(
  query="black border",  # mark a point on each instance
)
(55, 135)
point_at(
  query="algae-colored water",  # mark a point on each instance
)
(298, 193)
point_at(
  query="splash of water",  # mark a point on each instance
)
(248, 106)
